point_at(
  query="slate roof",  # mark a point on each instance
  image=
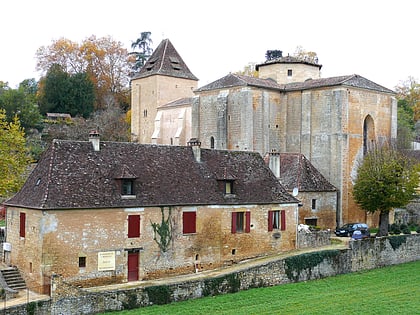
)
(179, 102)
(297, 171)
(234, 80)
(70, 174)
(288, 59)
(354, 80)
(165, 60)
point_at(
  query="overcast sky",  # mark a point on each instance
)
(378, 40)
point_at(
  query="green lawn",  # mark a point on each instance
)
(390, 290)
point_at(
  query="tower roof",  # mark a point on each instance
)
(289, 60)
(165, 60)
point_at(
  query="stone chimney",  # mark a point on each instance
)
(274, 163)
(195, 144)
(94, 138)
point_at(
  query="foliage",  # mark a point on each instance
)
(131, 302)
(308, 56)
(409, 92)
(67, 93)
(385, 180)
(14, 157)
(389, 290)
(164, 230)
(22, 103)
(294, 265)
(104, 60)
(145, 51)
(273, 54)
(159, 295)
(249, 70)
(397, 241)
(230, 283)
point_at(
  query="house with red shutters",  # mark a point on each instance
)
(97, 213)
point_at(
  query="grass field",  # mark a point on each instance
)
(390, 290)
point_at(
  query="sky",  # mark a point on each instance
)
(378, 40)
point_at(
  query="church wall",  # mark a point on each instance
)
(173, 125)
(279, 72)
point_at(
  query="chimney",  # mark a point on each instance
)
(274, 163)
(94, 138)
(195, 144)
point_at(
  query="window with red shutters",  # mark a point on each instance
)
(133, 226)
(189, 222)
(22, 224)
(241, 222)
(273, 220)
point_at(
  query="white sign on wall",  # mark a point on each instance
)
(106, 261)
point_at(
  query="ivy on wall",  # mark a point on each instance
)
(163, 231)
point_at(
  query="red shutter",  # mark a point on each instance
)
(283, 220)
(247, 222)
(270, 221)
(233, 228)
(188, 222)
(133, 226)
(22, 224)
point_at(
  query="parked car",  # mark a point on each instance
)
(349, 228)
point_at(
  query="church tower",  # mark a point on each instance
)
(164, 78)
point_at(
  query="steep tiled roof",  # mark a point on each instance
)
(179, 102)
(288, 59)
(165, 60)
(71, 174)
(297, 171)
(233, 80)
(346, 80)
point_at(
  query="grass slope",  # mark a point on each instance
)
(389, 290)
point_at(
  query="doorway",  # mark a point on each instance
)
(133, 266)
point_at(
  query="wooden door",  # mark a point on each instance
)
(133, 266)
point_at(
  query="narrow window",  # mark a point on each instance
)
(273, 220)
(228, 187)
(133, 226)
(82, 262)
(127, 187)
(241, 222)
(22, 224)
(289, 72)
(188, 222)
(313, 204)
(211, 142)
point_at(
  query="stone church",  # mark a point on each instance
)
(288, 108)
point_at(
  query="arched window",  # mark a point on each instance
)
(212, 142)
(368, 134)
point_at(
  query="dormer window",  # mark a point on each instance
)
(127, 187)
(228, 187)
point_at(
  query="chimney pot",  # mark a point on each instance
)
(94, 138)
(195, 144)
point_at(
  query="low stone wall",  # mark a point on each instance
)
(361, 255)
(313, 239)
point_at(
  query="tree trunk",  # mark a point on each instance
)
(383, 223)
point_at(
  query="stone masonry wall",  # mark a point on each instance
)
(361, 255)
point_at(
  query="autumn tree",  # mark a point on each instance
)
(143, 44)
(304, 55)
(386, 180)
(14, 158)
(104, 60)
(249, 70)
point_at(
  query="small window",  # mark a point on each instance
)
(241, 222)
(127, 187)
(277, 220)
(134, 226)
(289, 72)
(145, 113)
(22, 224)
(82, 262)
(189, 222)
(228, 187)
(211, 142)
(313, 204)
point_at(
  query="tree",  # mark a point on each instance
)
(105, 61)
(145, 51)
(273, 54)
(14, 157)
(308, 56)
(386, 179)
(67, 93)
(249, 70)
(408, 93)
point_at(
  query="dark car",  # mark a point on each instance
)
(349, 228)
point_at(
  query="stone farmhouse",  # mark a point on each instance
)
(95, 212)
(289, 108)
